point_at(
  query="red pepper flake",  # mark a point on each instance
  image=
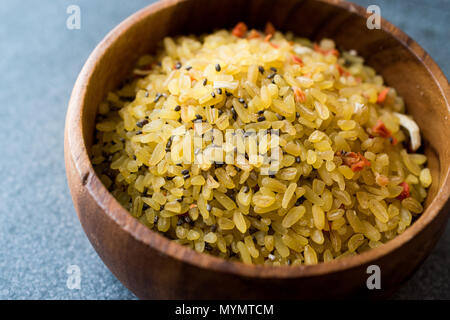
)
(384, 132)
(270, 29)
(334, 52)
(356, 161)
(382, 95)
(381, 129)
(268, 37)
(297, 60)
(405, 192)
(239, 30)
(274, 45)
(299, 95)
(253, 34)
(342, 71)
(193, 205)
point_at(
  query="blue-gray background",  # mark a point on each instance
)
(39, 61)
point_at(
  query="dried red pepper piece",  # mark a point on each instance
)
(405, 192)
(356, 161)
(239, 30)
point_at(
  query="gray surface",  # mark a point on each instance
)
(39, 232)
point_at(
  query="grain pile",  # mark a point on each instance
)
(261, 147)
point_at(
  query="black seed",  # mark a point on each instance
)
(228, 94)
(134, 157)
(178, 65)
(297, 115)
(273, 69)
(219, 91)
(246, 189)
(218, 67)
(170, 178)
(146, 94)
(213, 94)
(185, 171)
(141, 123)
(188, 68)
(245, 105)
(233, 112)
(297, 159)
(145, 206)
(260, 112)
(262, 118)
(241, 100)
(270, 76)
(288, 262)
(180, 199)
(198, 117)
(186, 176)
(177, 108)
(220, 112)
(138, 132)
(179, 222)
(158, 96)
(213, 228)
(272, 176)
(208, 207)
(205, 81)
(155, 220)
(238, 169)
(187, 219)
(298, 202)
(261, 69)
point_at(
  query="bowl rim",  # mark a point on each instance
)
(77, 151)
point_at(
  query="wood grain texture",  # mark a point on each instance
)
(154, 267)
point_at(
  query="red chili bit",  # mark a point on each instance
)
(358, 166)
(239, 30)
(270, 29)
(342, 71)
(268, 37)
(381, 129)
(193, 205)
(334, 52)
(299, 95)
(253, 34)
(405, 192)
(274, 45)
(382, 95)
(356, 161)
(297, 60)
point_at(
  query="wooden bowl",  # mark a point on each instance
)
(152, 266)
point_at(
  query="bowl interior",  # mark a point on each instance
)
(402, 63)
